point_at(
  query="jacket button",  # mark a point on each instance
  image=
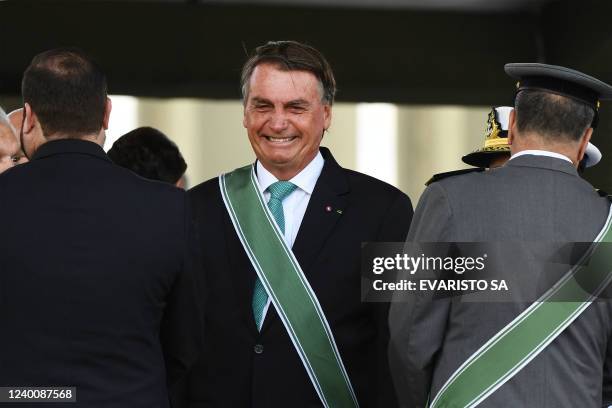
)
(258, 349)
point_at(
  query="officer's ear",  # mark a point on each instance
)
(584, 141)
(511, 124)
(108, 106)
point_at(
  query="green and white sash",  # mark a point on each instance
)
(513, 347)
(287, 287)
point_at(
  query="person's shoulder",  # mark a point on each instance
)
(604, 197)
(24, 175)
(453, 175)
(138, 183)
(10, 174)
(359, 183)
(460, 186)
(365, 184)
(207, 203)
(463, 184)
(205, 189)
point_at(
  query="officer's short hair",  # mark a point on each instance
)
(67, 91)
(552, 116)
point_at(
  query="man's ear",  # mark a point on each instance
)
(584, 141)
(511, 124)
(244, 114)
(327, 116)
(29, 118)
(107, 111)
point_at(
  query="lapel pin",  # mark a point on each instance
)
(328, 208)
(339, 211)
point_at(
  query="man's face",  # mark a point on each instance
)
(9, 147)
(16, 119)
(285, 118)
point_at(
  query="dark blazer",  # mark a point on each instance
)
(96, 279)
(241, 367)
(535, 200)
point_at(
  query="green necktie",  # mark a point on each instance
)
(278, 192)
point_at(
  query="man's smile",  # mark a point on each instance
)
(280, 140)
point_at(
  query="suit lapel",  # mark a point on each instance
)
(325, 207)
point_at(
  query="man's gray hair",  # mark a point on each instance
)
(4, 120)
(291, 56)
(3, 116)
(555, 117)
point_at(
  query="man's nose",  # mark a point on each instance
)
(278, 121)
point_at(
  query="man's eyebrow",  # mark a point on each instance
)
(298, 102)
(257, 99)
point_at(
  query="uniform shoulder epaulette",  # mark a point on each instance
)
(440, 176)
(603, 194)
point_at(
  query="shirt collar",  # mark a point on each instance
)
(541, 153)
(305, 179)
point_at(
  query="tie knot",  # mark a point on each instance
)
(281, 189)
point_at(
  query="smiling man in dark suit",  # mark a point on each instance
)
(281, 242)
(96, 273)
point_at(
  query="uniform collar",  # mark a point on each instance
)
(541, 153)
(63, 146)
(543, 162)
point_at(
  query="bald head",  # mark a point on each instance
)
(16, 119)
(9, 146)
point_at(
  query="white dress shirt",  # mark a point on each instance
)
(542, 153)
(294, 205)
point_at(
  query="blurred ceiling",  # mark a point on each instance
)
(478, 6)
(459, 5)
(408, 51)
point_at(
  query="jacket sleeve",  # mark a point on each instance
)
(607, 377)
(417, 320)
(394, 228)
(182, 324)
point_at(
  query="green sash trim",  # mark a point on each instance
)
(513, 347)
(287, 287)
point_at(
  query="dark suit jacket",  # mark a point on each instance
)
(96, 279)
(241, 367)
(535, 200)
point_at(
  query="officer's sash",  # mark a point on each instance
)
(513, 347)
(287, 287)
